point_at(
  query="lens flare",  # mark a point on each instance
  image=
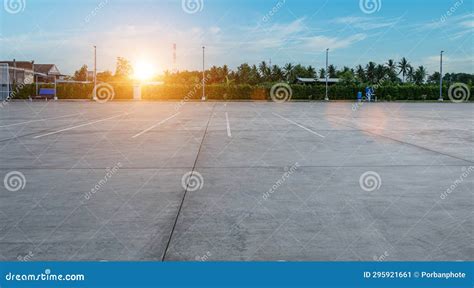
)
(143, 70)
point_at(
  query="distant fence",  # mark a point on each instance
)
(124, 91)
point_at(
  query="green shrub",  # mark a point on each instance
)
(242, 92)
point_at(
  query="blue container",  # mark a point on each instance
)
(359, 96)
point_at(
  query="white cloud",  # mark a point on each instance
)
(297, 37)
(451, 64)
(366, 23)
(154, 42)
(468, 24)
(215, 30)
(451, 22)
(323, 42)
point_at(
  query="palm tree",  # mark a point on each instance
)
(264, 70)
(213, 75)
(391, 65)
(422, 71)
(370, 72)
(434, 78)
(420, 75)
(288, 68)
(332, 71)
(225, 71)
(360, 74)
(404, 67)
(322, 73)
(380, 72)
(277, 73)
(243, 73)
(392, 70)
(254, 76)
(347, 77)
(344, 70)
(410, 73)
(311, 72)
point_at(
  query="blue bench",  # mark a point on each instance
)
(45, 93)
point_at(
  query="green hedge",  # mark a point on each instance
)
(213, 92)
(243, 92)
(72, 91)
(384, 93)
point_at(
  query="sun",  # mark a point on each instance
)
(143, 70)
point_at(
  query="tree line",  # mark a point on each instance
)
(389, 73)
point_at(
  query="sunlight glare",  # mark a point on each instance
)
(143, 70)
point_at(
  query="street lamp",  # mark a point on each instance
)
(326, 98)
(94, 97)
(441, 76)
(203, 74)
(95, 65)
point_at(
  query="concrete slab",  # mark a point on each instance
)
(274, 181)
(322, 213)
(58, 217)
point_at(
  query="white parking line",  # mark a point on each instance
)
(157, 124)
(39, 120)
(78, 126)
(228, 125)
(299, 125)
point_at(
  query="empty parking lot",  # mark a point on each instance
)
(238, 181)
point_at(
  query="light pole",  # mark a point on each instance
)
(203, 74)
(95, 73)
(95, 65)
(441, 76)
(326, 98)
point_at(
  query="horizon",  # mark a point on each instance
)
(278, 32)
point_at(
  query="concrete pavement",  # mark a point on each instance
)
(292, 181)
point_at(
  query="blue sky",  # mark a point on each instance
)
(297, 31)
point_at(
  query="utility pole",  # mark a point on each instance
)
(95, 65)
(327, 75)
(441, 76)
(203, 74)
(95, 73)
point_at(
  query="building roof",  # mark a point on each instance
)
(306, 80)
(49, 69)
(330, 80)
(314, 80)
(40, 69)
(26, 65)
